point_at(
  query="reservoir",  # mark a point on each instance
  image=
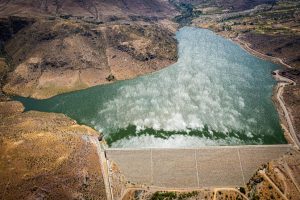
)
(216, 94)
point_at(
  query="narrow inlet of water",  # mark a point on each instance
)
(216, 94)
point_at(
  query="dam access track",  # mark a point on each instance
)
(220, 166)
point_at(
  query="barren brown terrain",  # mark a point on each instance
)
(61, 56)
(51, 51)
(46, 156)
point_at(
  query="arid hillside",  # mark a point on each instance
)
(48, 53)
(56, 56)
(47, 156)
(98, 9)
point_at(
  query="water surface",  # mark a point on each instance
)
(216, 94)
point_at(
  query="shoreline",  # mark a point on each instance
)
(284, 115)
(258, 54)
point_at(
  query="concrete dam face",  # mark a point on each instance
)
(216, 94)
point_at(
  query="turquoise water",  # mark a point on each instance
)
(216, 94)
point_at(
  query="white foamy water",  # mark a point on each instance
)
(178, 141)
(214, 83)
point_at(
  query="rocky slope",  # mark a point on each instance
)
(52, 57)
(50, 53)
(47, 156)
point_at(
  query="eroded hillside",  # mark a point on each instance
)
(57, 56)
(51, 54)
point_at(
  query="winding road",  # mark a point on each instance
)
(283, 81)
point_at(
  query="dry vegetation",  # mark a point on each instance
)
(205, 194)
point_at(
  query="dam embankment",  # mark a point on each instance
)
(230, 166)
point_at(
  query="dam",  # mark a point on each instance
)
(229, 166)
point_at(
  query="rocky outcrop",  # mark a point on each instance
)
(47, 156)
(291, 97)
